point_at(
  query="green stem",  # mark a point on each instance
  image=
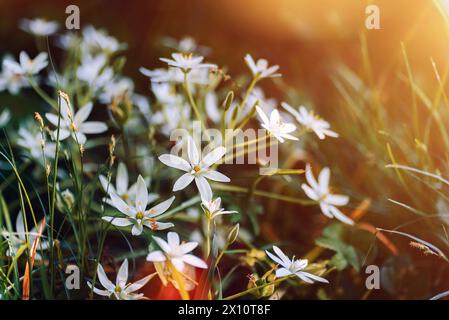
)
(265, 194)
(43, 95)
(247, 94)
(53, 202)
(193, 104)
(241, 294)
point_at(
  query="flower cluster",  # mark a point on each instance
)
(97, 150)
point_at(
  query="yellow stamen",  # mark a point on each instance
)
(139, 215)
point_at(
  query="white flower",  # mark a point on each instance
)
(95, 41)
(292, 267)
(196, 76)
(171, 117)
(91, 71)
(26, 65)
(12, 77)
(196, 169)
(68, 40)
(260, 68)
(116, 88)
(186, 44)
(165, 93)
(32, 66)
(311, 121)
(137, 215)
(187, 62)
(121, 290)
(176, 253)
(19, 238)
(122, 188)
(38, 27)
(33, 143)
(76, 125)
(213, 208)
(319, 191)
(276, 126)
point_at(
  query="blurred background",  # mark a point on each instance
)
(321, 46)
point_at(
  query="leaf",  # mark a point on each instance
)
(29, 267)
(352, 246)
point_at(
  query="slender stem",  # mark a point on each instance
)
(265, 194)
(53, 202)
(43, 95)
(240, 294)
(208, 238)
(193, 104)
(247, 94)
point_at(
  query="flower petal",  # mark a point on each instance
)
(281, 255)
(139, 284)
(313, 277)
(93, 127)
(122, 180)
(119, 222)
(137, 229)
(310, 192)
(83, 113)
(188, 247)
(192, 151)
(337, 200)
(121, 205)
(310, 178)
(183, 181)
(323, 179)
(212, 157)
(203, 187)
(340, 216)
(122, 274)
(142, 194)
(161, 207)
(103, 278)
(216, 176)
(162, 244)
(156, 256)
(175, 162)
(282, 272)
(274, 258)
(194, 261)
(173, 239)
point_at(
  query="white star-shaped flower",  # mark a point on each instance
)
(260, 68)
(319, 191)
(292, 267)
(17, 239)
(177, 253)
(196, 169)
(137, 215)
(95, 40)
(214, 209)
(33, 143)
(121, 290)
(276, 126)
(27, 66)
(93, 72)
(38, 26)
(76, 125)
(187, 62)
(12, 77)
(311, 121)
